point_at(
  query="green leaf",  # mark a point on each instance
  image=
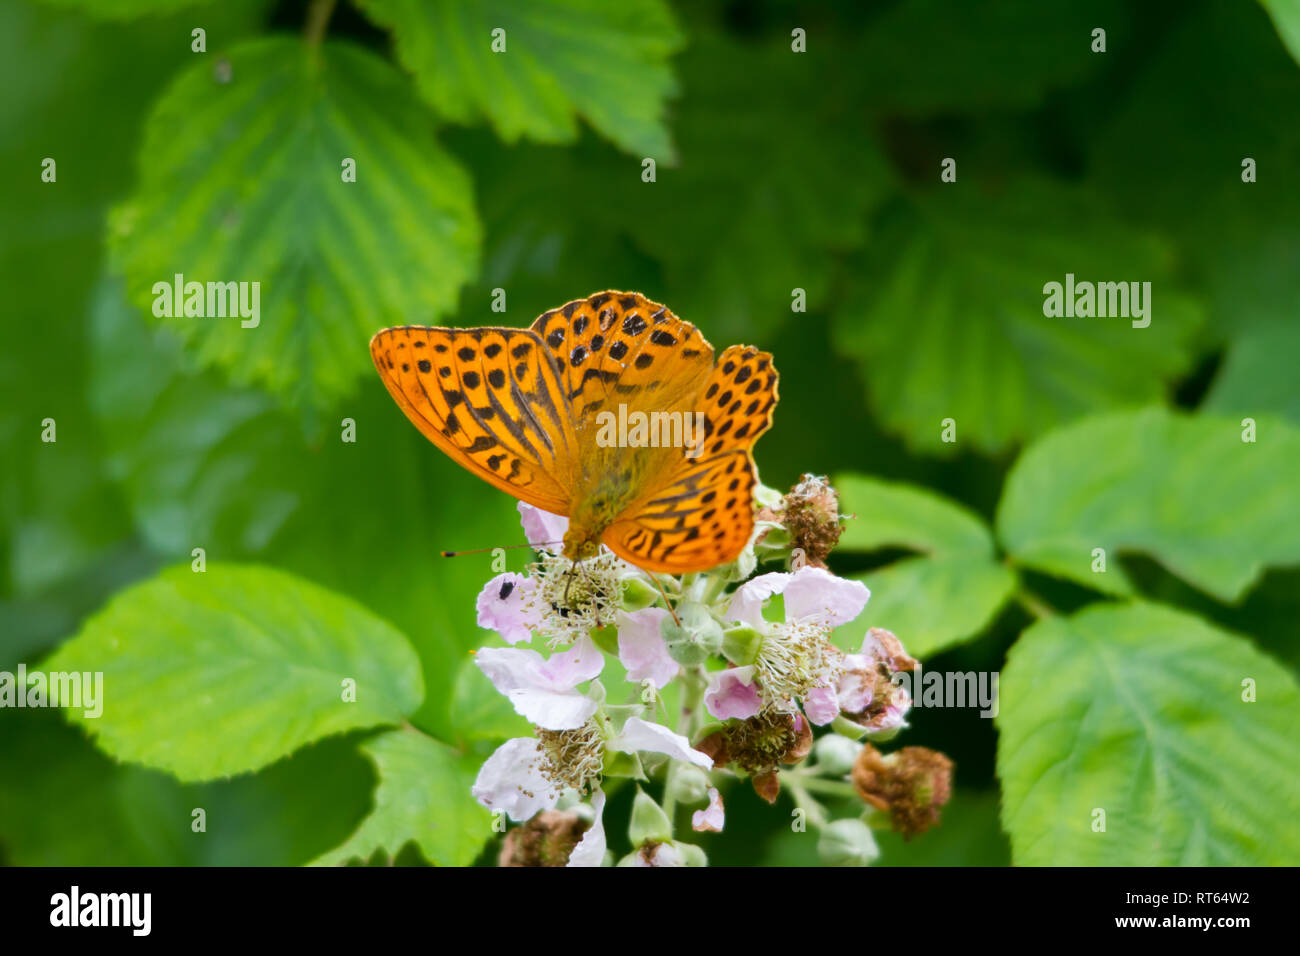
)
(931, 603)
(217, 673)
(776, 179)
(949, 322)
(242, 182)
(1286, 17)
(1138, 710)
(203, 464)
(284, 815)
(896, 514)
(1213, 509)
(481, 712)
(947, 595)
(423, 795)
(605, 62)
(1258, 376)
(924, 57)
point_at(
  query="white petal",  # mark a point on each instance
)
(509, 668)
(511, 780)
(500, 607)
(712, 817)
(641, 647)
(590, 850)
(639, 734)
(747, 603)
(565, 670)
(544, 530)
(554, 710)
(815, 593)
(731, 693)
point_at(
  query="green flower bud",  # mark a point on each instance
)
(649, 822)
(767, 497)
(836, 754)
(697, 639)
(740, 644)
(638, 593)
(691, 784)
(847, 843)
(693, 854)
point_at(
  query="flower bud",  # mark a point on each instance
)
(638, 593)
(698, 637)
(690, 784)
(692, 854)
(847, 843)
(649, 822)
(835, 754)
(740, 644)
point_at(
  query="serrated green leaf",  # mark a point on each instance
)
(887, 513)
(945, 596)
(1213, 509)
(777, 177)
(1139, 711)
(242, 182)
(203, 464)
(221, 672)
(931, 603)
(949, 323)
(423, 795)
(605, 62)
(1286, 17)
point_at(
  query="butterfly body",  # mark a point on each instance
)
(529, 411)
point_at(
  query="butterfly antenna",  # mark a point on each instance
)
(664, 594)
(506, 547)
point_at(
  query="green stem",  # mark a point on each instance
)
(1034, 604)
(834, 788)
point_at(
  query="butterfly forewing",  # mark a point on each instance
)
(491, 399)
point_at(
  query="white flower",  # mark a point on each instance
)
(504, 606)
(795, 660)
(731, 693)
(514, 780)
(544, 690)
(641, 646)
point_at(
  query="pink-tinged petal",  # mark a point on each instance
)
(639, 735)
(747, 603)
(512, 781)
(565, 670)
(590, 850)
(821, 705)
(543, 529)
(552, 709)
(855, 690)
(816, 594)
(509, 668)
(641, 647)
(500, 607)
(731, 693)
(712, 817)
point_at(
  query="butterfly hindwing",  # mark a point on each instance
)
(703, 518)
(490, 398)
(739, 398)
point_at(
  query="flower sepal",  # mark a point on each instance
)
(740, 644)
(649, 823)
(638, 593)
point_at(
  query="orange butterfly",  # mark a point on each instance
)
(523, 409)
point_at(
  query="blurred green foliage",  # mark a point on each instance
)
(775, 172)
